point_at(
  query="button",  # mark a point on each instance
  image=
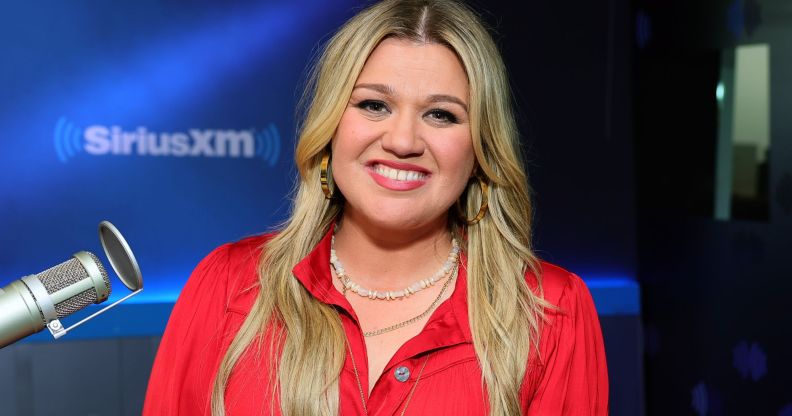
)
(402, 374)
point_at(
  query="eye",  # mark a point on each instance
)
(442, 116)
(373, 106)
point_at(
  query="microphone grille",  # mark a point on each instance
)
(66, 274)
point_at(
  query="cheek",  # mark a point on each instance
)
(458, 161)
(463, 174)
(457, 156)
(351, 138)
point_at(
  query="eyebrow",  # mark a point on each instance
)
(381, 88)
(437, 98)
(434, 98)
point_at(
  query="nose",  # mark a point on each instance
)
(403, 137)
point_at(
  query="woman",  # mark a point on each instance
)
(404, 281)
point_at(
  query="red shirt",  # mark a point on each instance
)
(570, 378)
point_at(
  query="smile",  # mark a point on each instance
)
(398, 174)
(402, 178)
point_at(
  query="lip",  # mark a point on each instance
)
(393, 184)
(398, 165)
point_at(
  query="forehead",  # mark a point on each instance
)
(415, 68)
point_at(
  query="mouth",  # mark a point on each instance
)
(398, 176)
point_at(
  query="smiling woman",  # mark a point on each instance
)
(405, 281)
(403, 153)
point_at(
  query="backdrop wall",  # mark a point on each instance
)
(176, 122)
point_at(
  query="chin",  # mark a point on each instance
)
(401, 218)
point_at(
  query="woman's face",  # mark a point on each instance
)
(403, 152)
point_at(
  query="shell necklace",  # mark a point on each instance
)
(348, 284)
(415, 318)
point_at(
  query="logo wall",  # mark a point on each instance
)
(101, 140)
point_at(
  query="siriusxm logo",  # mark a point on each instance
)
(100, 140)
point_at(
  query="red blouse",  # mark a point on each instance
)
(568, 377)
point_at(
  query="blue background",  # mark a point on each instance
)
(170, 68)
(616, 103)
(240, 66)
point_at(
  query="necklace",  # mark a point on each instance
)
(350, 285)
(416, 318)
(360, 386)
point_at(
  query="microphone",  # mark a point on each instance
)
(33, 302)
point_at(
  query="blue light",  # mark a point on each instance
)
(615, 295)
(720, 92)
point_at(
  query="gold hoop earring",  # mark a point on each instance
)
(326, 177)
(484, 204)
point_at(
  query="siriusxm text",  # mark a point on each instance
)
(103, 140)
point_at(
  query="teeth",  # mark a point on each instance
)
(399, 175)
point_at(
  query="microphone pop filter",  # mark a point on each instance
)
(120, 256)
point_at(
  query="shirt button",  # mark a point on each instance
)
(402, 374)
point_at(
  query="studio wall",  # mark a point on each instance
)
(176, 122)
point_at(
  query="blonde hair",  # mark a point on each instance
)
(504, 313)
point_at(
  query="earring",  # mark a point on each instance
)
(325, 176)
(484, 204)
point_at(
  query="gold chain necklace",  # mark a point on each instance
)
(360, 385)
(422, 315)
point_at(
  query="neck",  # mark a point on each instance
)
(384, 259)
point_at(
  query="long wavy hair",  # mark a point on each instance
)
(505, 314)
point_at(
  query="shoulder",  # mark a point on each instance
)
(243, 275)
(200, 328)
(557, 283)
(241, 251)
(570, 317)
(227, 272)
(242, 256)
(237, 258)
(568, 297)
(570, 374)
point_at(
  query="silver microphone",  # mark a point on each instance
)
(29, 303)
(34, 302)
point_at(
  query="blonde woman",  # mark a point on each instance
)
(404, 282)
